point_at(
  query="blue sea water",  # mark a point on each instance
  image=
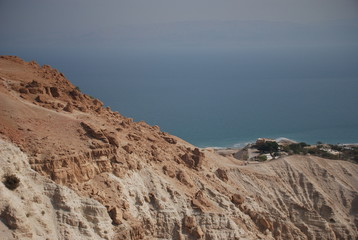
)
(225, 99)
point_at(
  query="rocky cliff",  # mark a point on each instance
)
(98, 175)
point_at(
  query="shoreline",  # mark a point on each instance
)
(262, 150)
(241, 145)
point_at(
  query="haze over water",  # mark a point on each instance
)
(213, 77)
(215, 99)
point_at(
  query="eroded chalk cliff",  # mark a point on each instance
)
(42, 209)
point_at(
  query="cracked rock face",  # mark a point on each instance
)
(42, 209)
(87, 172)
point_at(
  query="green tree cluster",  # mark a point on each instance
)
(268, 147)
(296, 148)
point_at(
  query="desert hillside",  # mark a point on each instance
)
(87, 172)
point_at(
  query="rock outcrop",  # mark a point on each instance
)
(99, 175)
(42, 209)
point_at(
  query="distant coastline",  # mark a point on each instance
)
(266, 149)
(279, 139)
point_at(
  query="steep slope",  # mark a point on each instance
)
(41, 209)
(157, 186)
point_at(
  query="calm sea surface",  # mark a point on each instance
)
(224, 99)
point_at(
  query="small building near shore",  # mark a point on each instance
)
(260, 141)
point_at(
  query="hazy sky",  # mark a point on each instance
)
(111, 23)
(70, 16)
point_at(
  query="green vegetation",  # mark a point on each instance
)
(296, 148)
(349, 153)
(262, 158)
(317, 151)
(329, 151)
(268, 147)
